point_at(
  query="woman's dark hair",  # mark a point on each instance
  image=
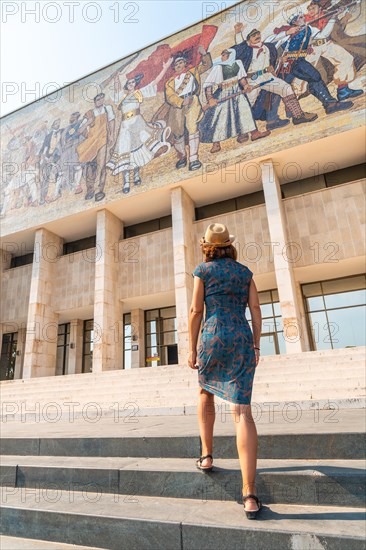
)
(212, 252)
(137, 78)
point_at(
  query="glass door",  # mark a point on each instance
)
(63, 344)
(161, 337)
(8, 356)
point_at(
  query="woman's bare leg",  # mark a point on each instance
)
(206, 421)
(247, 445)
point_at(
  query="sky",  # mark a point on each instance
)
(46, 44)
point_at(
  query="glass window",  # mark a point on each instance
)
(265, 297)
(352, 173)
(215, 209)
(127, 341)
(268, 346)
(63, 344)
(251, 199)
(8, 356)
(344, 299)
(305, 185)
(343, 285)
(312, 289)
(165, 222)
(320, 330)
(230, 205)
(169, 338)
(81, 244)
(267, 310)
(316, 303)
(336, 312)
(147, 227)
(152, 314)
(347, 326)
(169, 324)
(167, 312)
(272, 340)
(151, 340)
(281, 342)
(88, 338)
(18, 261)
(151, 327)
(161, 336)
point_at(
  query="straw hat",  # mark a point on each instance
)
(217, 234)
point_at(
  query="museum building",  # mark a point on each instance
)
(109, 286)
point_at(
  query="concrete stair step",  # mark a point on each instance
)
(315, 482)
(331, 444)
(17, 543)
(334, 378)
(187, 378)
(181, 396)
(129, 413)
(113, 522)
(331, 374)
(297, 361)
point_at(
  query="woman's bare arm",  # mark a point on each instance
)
(196, 313)
(255, 311)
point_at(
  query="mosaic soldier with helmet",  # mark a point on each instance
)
(322, 15)
(296, 39)
(259, 59)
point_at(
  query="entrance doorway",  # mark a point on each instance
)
(161, 336)
(8, 356)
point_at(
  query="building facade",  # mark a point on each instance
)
(104, 200)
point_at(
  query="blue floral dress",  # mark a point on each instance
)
(225, 355)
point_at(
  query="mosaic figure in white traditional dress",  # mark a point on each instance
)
(228, 112)
(138, 141)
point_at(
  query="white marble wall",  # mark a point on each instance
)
(250, 226)
(286, 285)
(42, 321)
(107, 351)
(163, 261)
(328, 224)
(183, 258)
(74, 280)
(15, 291)
(146, 264)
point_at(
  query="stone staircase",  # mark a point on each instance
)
(124, 486)
(117, 469)
(320, 378)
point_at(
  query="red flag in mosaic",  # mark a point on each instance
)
(153, 65)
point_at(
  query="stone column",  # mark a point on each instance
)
(286, 284)
(107, 351)
(74, 365)
(138, 332)
(302, 316)
(19, 361)
(2, 332)
(42, 323)
(5, 260)
(182, 221)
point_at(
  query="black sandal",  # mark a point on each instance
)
(251, 514)
(199, 462)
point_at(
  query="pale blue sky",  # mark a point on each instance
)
(65, 44)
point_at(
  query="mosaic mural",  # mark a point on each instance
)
(223, 90)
